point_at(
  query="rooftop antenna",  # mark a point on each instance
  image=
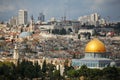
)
(108, 19)
(65, 10)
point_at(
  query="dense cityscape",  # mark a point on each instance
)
(83, 49)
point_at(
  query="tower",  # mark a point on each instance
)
(16, 54)
(31, 27)
(94, 17)
(22, 17)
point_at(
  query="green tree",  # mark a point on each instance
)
(79, 36)
(56, 75)
(25, 69)
(73, 74)
(67, 68)
(111, 73)
(56, 31)
(83, 71)
(29, 71)
(88, 35)
(74, 56)
(63, 31)
(44, 67)
(38, 72)
(7, 71)
(69, 31)
(94, 74)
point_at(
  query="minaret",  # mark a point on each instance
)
(16, 54)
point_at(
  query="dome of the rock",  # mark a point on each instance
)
(95, 46)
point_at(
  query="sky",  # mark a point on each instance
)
(72, 9)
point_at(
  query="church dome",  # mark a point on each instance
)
(95, 46)
(25, 34)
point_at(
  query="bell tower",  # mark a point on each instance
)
(16, 54)
(31, 27)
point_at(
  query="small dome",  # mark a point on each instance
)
(112, 64)
(96, 46)
(2, 38)
(25, 34)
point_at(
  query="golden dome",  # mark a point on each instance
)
(95, 45)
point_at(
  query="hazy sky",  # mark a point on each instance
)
(58, 8)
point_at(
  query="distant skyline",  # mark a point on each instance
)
(58, 8)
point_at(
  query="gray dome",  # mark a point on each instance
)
(112, 64)
(25, 34)
(2, 38)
